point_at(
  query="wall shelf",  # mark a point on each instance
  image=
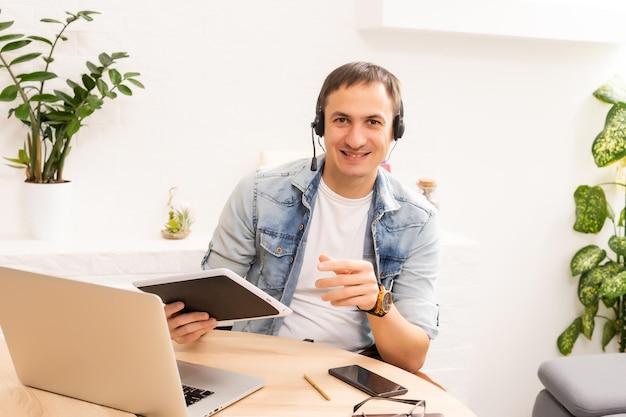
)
(600, 21)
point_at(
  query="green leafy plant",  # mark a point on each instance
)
(602, 272)
(54, 117)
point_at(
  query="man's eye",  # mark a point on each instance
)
(341, 120)
(373, 122)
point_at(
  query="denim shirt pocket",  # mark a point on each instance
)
(276, 258)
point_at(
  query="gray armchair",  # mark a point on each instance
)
(582, 386)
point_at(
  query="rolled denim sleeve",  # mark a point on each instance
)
(415, 288)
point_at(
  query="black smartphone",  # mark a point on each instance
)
(367, 381)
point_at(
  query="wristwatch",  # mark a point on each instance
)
(383, 303)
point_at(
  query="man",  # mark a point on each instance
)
(331, 242)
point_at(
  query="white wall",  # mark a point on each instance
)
(504, 124)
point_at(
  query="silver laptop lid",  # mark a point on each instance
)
(80, 340)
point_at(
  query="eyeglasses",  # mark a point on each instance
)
(418, 409)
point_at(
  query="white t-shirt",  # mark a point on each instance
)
(337, 229)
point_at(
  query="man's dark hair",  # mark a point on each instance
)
(360, 72)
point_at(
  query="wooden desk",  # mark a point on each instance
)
(281, 362)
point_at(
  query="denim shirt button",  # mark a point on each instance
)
(291, 260)
(279, 250)
(301, 227)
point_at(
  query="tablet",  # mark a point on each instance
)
(220, 292)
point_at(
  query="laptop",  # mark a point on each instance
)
(108, 346)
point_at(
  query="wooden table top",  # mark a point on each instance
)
(281, 362)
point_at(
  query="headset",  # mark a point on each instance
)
(317, 126)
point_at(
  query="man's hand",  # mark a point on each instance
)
(354, 282)
(187, 327)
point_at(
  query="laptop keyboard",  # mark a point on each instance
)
(193, 394)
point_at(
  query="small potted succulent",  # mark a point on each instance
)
(179, 221)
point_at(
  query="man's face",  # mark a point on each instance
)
(358, 124)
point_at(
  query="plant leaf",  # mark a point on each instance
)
(105, 59)
(119, 55)
(94, 69)
(88, 82)
(22, 112)
(6, 25)
(59, 116)
(588, 321)
(72, 128)
(125, 90)
(590, 281)
(591, 209)
(80, 93)
(614, 286)
(586, 259)
(612, 91)
(47, 20)
(610, 144)
(41, 39)
(10, 37)
(565, 341)
(115, 76)
(609, 302)
(67, 99)
(25, 58)
(37, 76)
(608, 332)
(12, 46)
(135, 82)
(618, 245)
(86, 14)
(85, 111)
(9, 93)
(103, 87)
(47, 98)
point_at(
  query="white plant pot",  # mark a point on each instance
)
(48, 210)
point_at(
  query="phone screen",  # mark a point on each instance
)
(367, 381)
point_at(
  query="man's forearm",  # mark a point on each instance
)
(399, 342)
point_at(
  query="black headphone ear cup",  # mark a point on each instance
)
(318, 123)
(398, 123)
(398, 127)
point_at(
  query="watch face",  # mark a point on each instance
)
(386, 304)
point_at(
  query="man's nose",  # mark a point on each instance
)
(356, 137)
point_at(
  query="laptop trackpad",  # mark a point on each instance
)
(226, 386)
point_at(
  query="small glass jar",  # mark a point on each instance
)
(428, 187)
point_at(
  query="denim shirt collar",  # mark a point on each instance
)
(383, 199)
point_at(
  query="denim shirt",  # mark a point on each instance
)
(262, 232)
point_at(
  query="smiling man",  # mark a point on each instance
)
(350, 249)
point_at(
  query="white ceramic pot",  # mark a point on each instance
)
(48, 210)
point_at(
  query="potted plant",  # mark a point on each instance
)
(53, 116)
(601, 271)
